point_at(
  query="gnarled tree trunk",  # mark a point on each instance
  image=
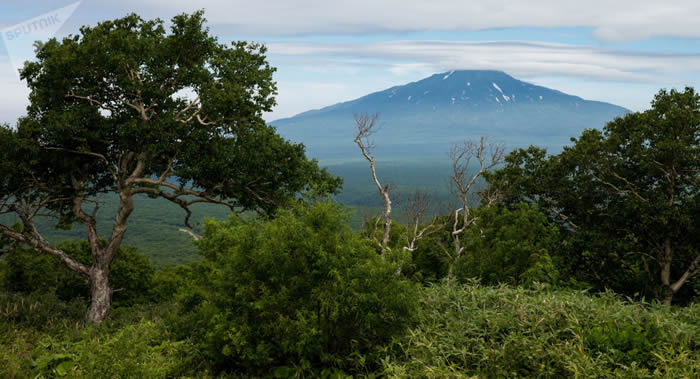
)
(100, 294)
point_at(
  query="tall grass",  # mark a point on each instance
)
(462, 331)
(41, 336)
(472, 330)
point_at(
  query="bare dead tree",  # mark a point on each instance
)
(485, 156)
(366, 125)
(416, 207)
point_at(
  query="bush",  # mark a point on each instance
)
(44, 337)
(472, 330)
(28, 271)
(170, 280)
(509, 246)
(625, 343)
(296, 294)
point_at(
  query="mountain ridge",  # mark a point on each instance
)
(421, 117)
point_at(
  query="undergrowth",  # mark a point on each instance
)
(461, 331)
(472, 330)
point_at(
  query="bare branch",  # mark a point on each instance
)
(620, 190)
(85, 219)
(92, 101)
(564, 218)
(487, 156)
(187, 108)
(415, 207)
(366, 127)
(194, 236)
(689, 273)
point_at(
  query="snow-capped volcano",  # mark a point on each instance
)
(427, 116)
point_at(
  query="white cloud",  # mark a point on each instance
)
(620, 77)
(13, 94)
(612, 21)
(523, 59)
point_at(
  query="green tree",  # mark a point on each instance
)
(628, 195)
(27, 270)
(510, 246)
(127, 108)
(300, 288)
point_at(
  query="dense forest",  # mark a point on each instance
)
(521, 263)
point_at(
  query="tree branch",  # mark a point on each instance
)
(366, 125)
(689, 273)
(97, 155)
(99, 104)
(40, 244)
(620, 190)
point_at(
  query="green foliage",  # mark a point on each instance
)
(509, 246)
(128, 108)
(42, 336)
(28, 271)
(39, 311)
(223, 147)
(296, 293)
(627, 198)
(429, 263)
(459, 331)
(170, 280)
(472, 330)
(626, 343)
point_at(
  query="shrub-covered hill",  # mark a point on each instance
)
(461, 331)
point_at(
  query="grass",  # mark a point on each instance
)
(462, 331)
(477, 331)
(41, 336)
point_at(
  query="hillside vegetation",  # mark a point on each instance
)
(582, 263)
(459, 331)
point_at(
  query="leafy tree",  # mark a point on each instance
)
(127, 108)
(29, 271)
(628, 196)
(301, 288)
(510, 246)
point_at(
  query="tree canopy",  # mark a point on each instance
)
(125, 107)
(628, 196)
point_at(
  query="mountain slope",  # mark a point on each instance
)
(424, 118)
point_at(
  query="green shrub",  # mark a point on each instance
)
(510, 246)
(472, 330)
(44, 337)
(28, 271)
(170, 280)
(138, 350)
(39, 311)
(625, 343)
(296, 294)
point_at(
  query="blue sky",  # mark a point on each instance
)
(328, 51)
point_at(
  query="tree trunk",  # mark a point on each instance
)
(666, 258)
(100, 294)
(667, 296)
